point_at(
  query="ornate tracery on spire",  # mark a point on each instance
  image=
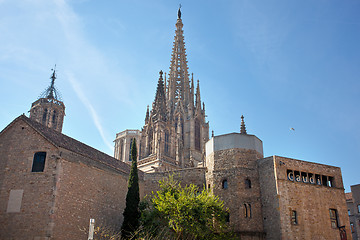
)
(159, 105)
(178, 86)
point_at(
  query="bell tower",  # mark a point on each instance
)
(49, 110)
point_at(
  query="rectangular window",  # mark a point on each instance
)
(352, 227)
(349, 212)
(14, 203)
(359, 208)
(333, 218)
(39, 162)
(330, 181)
(324, 180)
(294, 218)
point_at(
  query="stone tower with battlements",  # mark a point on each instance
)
(49, 110)
(175, 130)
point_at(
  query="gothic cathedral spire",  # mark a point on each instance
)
(178, 87)
(175, 130)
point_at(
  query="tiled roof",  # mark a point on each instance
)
(63, 141)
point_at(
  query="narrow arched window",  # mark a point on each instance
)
(44, 116)
(197, 134)
(39, 162)
(54, 118)
(225, 184)
(167, 142)
(247, 183)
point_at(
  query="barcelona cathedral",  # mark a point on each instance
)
(51, 185)
(175, 130)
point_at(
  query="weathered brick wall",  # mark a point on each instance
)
(17, 148)
(184, 176)
(311, 202)
(269, 198)
(355, 216)
(86, 192)
(236, 165)
(58, 202)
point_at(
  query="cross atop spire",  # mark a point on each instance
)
(242, 128)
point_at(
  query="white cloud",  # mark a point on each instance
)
(95, 117)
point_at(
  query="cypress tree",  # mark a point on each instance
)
(131, 213)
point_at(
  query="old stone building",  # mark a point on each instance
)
(353, 205)
(51, 184)
(175, 130)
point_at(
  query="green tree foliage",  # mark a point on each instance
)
(186, 213)
(131, 212)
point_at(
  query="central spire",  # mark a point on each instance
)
(178, 86)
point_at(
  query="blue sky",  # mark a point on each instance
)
(283, 64)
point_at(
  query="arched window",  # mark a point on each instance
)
(167, 142)
(44, 116)
(247, 183)
(197, 134)
(38, 162)
(225, 184)
(150, 140)
(247, 210)
(54, 118)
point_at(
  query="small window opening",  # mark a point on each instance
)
(318, 179)
(352, 227)
(358, 207)
(324, 180)
(227, 217)
(38, 162)
(208, 186)
(294, 218)
(225, 184)
(54, 118)
(247, 210)
(247, 183)
(311, 178)
(333, 218)
(304, 177)
(349, 212)
(297, 176)
(290, 175)
(330, 182)
(44, 116)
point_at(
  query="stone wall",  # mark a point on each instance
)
(17, 148)
(58, 202)
(237, 166)
(354, 211)
(85, 192)
(311, 202)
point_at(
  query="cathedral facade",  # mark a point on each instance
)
(175, 130)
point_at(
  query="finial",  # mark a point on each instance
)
(212, 133)
(179, 12)
(161, 73)
(242, 128)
